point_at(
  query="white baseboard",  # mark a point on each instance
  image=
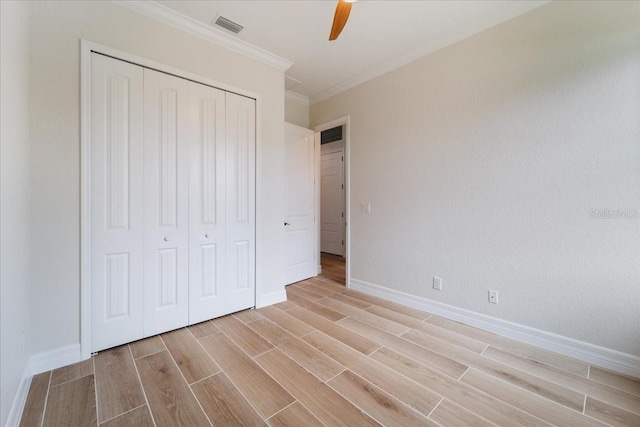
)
(319, 270)
(19, 399)
(271, 298)
(64, 356)
(601, 356)
(54, 359)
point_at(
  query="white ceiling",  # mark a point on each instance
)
(379, 36)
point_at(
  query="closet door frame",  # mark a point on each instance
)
(87, 48)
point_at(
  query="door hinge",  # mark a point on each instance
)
(342, 214)
(343, 158)
(343, 186)
(343, 243)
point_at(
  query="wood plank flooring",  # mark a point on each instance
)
(331, 356)
(333, 267)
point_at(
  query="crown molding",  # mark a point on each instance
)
(372, 74)
(386, 67)
(418, 53)
(197, 28)
(295, 97)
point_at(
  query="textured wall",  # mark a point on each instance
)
(56, 30)
(14, 200)
(483, 162)
(296, 113)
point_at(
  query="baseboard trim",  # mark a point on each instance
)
(64, 356)
(54, 359)
(319, 270)
(271, 298)
(601, 356)
(19, 400)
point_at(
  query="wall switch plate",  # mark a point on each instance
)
(493, 297)
(437, 283)
(365, 207)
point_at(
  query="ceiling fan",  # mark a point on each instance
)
(340, 18)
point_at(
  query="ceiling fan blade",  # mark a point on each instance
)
(340, 19)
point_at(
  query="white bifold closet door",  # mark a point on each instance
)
(173, 202)
(222, 203)
(166, 202)
(239, 289)
(207, 231)
(117, 231)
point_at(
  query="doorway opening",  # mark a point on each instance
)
(333, 176)
(333, 267)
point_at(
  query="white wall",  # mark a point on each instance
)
(296, 112)
(14, 200)
(483, 161)
(56, 30)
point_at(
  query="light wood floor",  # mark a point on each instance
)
(331, 356)
(333, 267)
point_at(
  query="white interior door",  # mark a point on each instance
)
(116, 202)
(166, 202)
(300, 225)
(332, 203)
(207, 230)
(238, 290)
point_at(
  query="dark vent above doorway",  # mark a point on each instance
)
(331, 135)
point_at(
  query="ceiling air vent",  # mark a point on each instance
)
(227, 24)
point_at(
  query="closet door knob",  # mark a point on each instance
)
(166, 239)
(206, 235)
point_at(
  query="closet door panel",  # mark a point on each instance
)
(166, 198)
(240, 202)
(116, 202)
(207, 214)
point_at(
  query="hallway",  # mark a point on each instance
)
(333, 267)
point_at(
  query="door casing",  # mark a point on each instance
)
(346, 122)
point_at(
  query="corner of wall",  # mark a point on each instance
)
(15, 413)
(14, 210)
(296, 109)
(271, 298)
(54, 359)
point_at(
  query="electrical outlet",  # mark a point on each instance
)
(437, 283)
(493, 297)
